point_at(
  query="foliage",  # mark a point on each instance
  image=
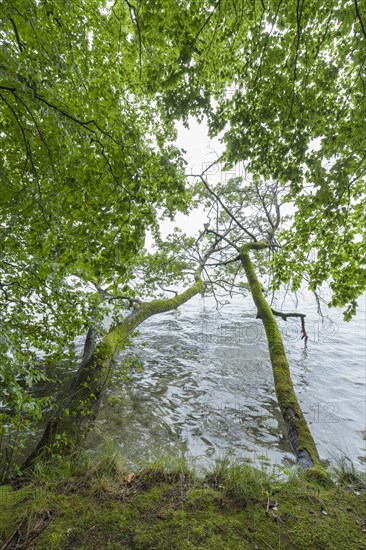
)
(283, 84)
(86, 168)
(89, 94)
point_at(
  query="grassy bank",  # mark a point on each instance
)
(98, 504)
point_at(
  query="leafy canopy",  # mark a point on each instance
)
(86, 164)
(89, 93)
(283, 83)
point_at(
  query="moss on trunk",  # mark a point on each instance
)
(68, 428)
(298, 429)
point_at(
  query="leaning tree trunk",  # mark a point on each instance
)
(67, 429)
(298, 429)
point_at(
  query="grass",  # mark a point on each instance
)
(94, 502)
(345, 472)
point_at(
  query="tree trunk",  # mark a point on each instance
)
(67, 429)
(298, 429)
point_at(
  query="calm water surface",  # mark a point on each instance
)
(206, 390)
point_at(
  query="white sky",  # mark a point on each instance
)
(200, 152)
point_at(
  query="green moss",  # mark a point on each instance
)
(84, 523)
(148, 501)
(12, 508)
(181, 530)
(299, 432)
(319, 475)
(233, 507)
(203, 499)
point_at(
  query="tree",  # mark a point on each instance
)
(283, 84)
(69, 424)
(89, 95)
(87, 165)
(245, 216)
(226, 240)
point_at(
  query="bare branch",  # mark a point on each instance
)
(217, 197)
(285, 316)
(223, 237)
(169, 290)
(225, 262)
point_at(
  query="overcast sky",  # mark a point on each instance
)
(200, 152)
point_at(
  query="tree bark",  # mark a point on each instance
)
(67, 429)
(298, 429)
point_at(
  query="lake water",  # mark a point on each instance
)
(206, 387)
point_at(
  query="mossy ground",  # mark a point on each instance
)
(64, 507)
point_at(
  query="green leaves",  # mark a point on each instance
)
(87, 161)
(287, 89)
(89, 96)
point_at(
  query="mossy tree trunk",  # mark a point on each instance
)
(68, 428)
(298, 429)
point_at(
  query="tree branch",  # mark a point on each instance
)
(223, 237)
(217, 197)
(20, 45)
(169, 290)
(110, 297)
(360, 19)
(225, 262)
(132, 10)
(284, 316)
